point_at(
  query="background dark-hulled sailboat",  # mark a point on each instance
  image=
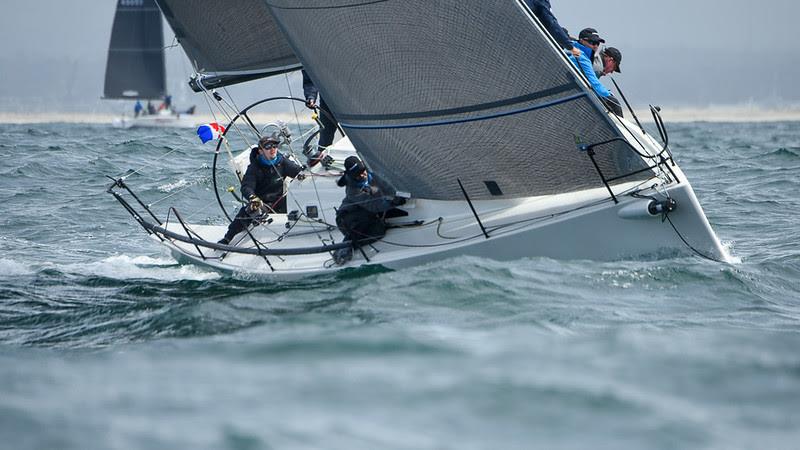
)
(135, 69)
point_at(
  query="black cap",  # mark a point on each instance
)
(591, 35)
(616, 55)
(271, 139)
(353, 165)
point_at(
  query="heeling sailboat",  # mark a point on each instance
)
(474, 111)
(135, 68)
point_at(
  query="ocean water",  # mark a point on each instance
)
(107, 343)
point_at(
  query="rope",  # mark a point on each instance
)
(173, 45)
(696, 251)
(666, 218)
(127, 174)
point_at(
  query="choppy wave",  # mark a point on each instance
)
(11, 268)
(123, 267)
(659, 352)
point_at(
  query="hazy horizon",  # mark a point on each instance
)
(721, 54)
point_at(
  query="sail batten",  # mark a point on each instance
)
(434, 92)
(135, 67)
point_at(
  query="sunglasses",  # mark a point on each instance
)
(269, 146)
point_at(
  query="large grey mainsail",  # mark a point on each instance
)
(229, 41)
(431, 92)
(135, 65)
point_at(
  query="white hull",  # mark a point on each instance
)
(167, 120)
(591, 232)
(578, 225)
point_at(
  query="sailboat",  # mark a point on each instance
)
(471, 111)
(135, 68)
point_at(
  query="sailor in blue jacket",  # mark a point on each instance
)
(584, 64)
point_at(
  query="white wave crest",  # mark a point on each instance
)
(727, 249)
(169, 187)
(124, 267)
(10, 268)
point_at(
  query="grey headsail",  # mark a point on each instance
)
(431, 92)
(135, 66)
(229, 41)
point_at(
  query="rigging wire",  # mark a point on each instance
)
(129, 173)
(188, 185)
(223, 104)
(233, 104)
(302, 135)
(204, 208)
(294, 107)
(321, 208)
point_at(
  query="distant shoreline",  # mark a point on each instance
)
(105, 119)
(722, 114)
(735, 114)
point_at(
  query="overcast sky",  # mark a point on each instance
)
(676, 52)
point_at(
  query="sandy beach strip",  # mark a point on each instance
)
(106, 119)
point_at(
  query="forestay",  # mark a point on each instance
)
(135, 65)
(229, 41)
(431, 92)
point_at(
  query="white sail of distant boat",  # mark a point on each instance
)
(135, 68)
(472, 110)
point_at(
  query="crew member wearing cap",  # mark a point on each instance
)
(589, 41)
(611, 59)
(584, 64)
(361, 215)
(262, 184)
(604, 59)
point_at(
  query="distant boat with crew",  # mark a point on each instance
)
(135, 69)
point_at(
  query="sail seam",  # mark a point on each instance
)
(354, 5)
(463, 109)
(467, 119)
(136, 49)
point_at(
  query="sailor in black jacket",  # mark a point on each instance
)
(262, 184)
(360, 217)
